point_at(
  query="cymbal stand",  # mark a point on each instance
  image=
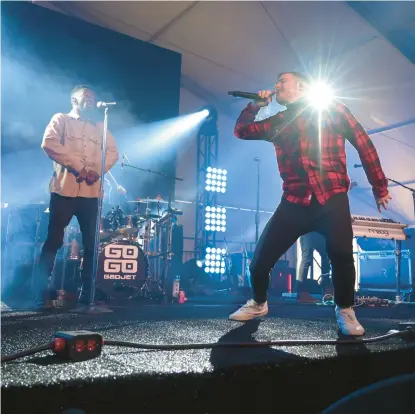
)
(5, 261)
(228, 262)
(167, 245)
(258, 161)
(65, 257)
(398, 250)
(166, 253)
(35, 249)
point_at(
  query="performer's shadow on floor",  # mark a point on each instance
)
(232, 356)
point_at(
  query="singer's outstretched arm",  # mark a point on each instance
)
(247, 128)
(359, 138)
(54, 145)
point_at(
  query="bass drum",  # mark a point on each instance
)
(122, 270)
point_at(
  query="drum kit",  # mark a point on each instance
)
(134, 250)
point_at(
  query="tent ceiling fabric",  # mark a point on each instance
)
(395, 21)
(244, 45)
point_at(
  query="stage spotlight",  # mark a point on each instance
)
(216, 180)
(320, 95)
(214, 260)
(211, 113)
(215, 219)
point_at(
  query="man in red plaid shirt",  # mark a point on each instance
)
(311, 157)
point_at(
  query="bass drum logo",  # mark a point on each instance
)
(121, 262)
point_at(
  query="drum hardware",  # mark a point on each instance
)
(75, 253)
(35, 249)
(150, 216)
(153, 200)
(7, 245)
(116, 218)
(65, 296)
(66, 253)
(71, 250)
(166, 176)
(152, 290)
(130, 227)
(246, 271)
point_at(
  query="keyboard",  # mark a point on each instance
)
(378, 228)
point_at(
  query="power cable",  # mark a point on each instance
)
(30, 351)
(408, 332)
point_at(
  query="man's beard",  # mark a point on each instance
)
(89, 112)
(281, 101)
(88, 109)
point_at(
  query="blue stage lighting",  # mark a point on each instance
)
(216, 179)
(215, 219)
(214, 261)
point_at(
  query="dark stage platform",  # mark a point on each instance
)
(304, 379)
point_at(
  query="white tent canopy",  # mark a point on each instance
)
(244, 45)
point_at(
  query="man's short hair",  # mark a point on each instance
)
(80, 87)
(301, 77)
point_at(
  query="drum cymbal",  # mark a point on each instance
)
(154, 200)
(104, 234)
(150, 216)
(126, 230)
(148, 200)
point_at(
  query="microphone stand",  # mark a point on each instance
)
(167, 176)
(258, 161)
(93, 308)
(398, 249)
(412, 190)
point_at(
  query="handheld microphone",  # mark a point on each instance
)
(105, 104)
(358, 166)
(247, 95)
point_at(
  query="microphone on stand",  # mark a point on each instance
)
(105, 104)
(123, 161)
(357, 166)
(257, 159)
(247, 95)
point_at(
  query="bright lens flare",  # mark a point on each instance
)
(320, 95)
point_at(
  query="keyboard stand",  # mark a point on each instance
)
(398, 258)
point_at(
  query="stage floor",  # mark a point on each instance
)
(181, 324)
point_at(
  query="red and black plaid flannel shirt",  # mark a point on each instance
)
(311, 161)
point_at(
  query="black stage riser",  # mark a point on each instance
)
(306, 387)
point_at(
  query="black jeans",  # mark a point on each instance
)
(62, 209)
(291, 221)
(308, 243)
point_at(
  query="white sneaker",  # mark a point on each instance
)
(347, 322)
(249, 311)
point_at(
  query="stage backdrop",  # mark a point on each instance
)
(44, 54)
